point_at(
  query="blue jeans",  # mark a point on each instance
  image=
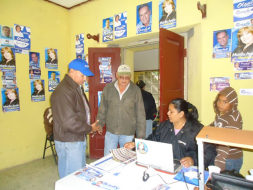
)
(112, 141)
(71, 156)
(235, 164)
(149, 127)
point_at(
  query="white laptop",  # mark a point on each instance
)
(157, 155)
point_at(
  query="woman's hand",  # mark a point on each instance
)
(129, 145)
(187, 162)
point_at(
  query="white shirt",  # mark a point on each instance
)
(117, 87)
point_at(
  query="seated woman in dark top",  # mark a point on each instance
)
(181, 130)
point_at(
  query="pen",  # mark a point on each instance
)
(93, 134)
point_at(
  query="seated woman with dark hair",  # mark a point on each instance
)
(181, 130)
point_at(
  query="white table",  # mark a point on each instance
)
(130, 178)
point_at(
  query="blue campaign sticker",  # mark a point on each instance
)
(7, 59)
(167, 14)
(142, 147)
(37, 90)
(108, 29)
(144, 18)
(10, 100)
(53, 80)
(22, 37)
(79, 44)
(120, 28)
(51, 57)
(6, 36)
(243, 9)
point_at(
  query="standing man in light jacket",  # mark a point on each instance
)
(71, 112)
(122, 109)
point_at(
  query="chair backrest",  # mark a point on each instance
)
(48, 121)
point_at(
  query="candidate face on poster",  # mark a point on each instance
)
(167, 14)
(22, 37)
(6, 36)
(10, 100)
(243, 10)
(120, 29)
(34, 60)
(53, 80)
(108, 29)
(37, 90)
(7, 59)
(144, 18)
(239, 66)
(79, 44)
(34, 74)
(51, 58)
(247, 75)
(105, 69)
(219, 83)
(222, 43)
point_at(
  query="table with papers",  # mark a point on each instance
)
(106, 173)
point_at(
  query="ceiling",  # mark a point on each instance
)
(68, 4)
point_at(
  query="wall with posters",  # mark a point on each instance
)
(22, 132)
(201, 66)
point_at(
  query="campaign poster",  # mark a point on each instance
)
(22, 37)
(51, 58)
(219, 83)
(105, 69)
(241, 66)
(246, 92)
(167, 14)
(89, 174)
(7, 59)
(53, 80)
(6, 36)
(144, 18)
(9, 81)
(79, 44)
(108, 29)
(104, 184)
(22, 51)
(222, 43)
(120, 27)
(34, 60)
(243, 9)
(242, 40)
(99, 97)
(10, 100)
(34, 74)
(247, 75)
(37, 90)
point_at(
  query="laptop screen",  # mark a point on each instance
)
(155, 154)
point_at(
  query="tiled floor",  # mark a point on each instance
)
(37, 175)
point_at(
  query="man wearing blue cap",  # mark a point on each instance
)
(71, 113)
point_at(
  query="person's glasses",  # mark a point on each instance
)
(124, 77)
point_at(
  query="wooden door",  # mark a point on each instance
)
(97, 142)
(171, 47)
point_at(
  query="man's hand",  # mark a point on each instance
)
(129, 145)
(187, 162)
(94, 127)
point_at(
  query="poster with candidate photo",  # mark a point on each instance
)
(34, 60)
(219, 83)
(37, 90)
(22, 37)
(51, 58)
(9, 81)
(105, 69)
(7, 59)
(53, 80)
(107, 29)
(10, 100)
(6, 36)
(144, 18)
(247, 75)
(120, 27)
(242, 40)
(167, 14)
(222, 43)
(34, 74)
(79, 44)
(243, 10)
(241, 66)
(99, 97)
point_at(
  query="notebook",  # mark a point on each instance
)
(157, 155)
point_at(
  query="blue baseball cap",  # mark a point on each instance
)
(82, 66)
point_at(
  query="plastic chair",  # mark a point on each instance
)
(52, 145)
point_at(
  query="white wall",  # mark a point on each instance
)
(146, 60)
